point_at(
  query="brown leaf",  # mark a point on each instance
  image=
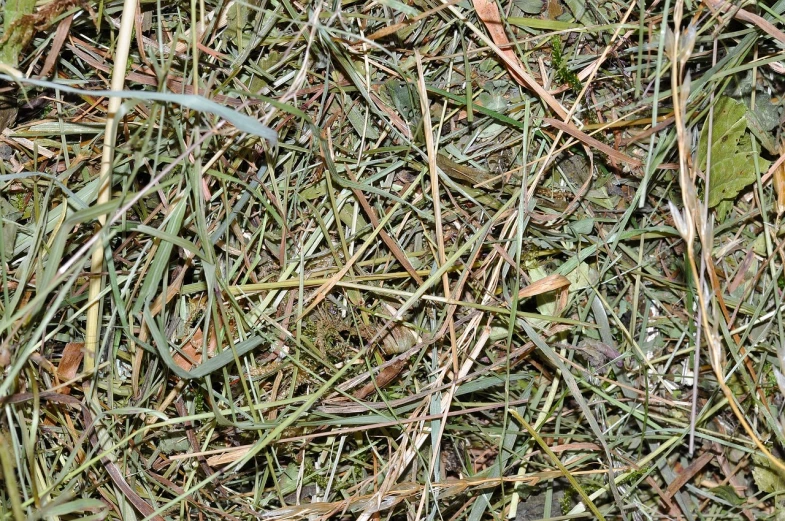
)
(554, 10)
(598, 352)
(69, 363)
(688, 473)
(778, 180)
(63, 29)
(546, 285)
(230, 456)
(488, 12)
(723, 6)
(387, 375)
(192, 351)
(590, 141)
(394, 28)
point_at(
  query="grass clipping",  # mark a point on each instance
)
(393, 260)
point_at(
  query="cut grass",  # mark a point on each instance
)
(394, 259)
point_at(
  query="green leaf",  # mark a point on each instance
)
(492, 101)
(762, 122)
(767, 478)
(730, 176)
(159, 265)
(14, 31)
(578, 10)
(237, 15)
(730, 123)
(727, 493)
(227, 356)
(529, 6)
(400, 7)
(541, 23)
(314, 191)
(724, 209)
(73, 507)
(584, 276)
(356, 117)
(9, 216)
(582, 226)
(461, 101)
(61, 128)
(766, 111)
(404, 98)
(242, 122)
(732, 154)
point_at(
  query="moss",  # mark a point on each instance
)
(563, 74)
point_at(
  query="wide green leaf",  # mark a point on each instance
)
(728, 125)
(733, 165)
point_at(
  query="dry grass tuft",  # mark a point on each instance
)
(392, 260)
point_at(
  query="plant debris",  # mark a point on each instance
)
(460, 260)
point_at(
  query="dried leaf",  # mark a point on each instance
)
(780, 381)
(488, 12)
(192, 351)
(778, 180)
(598, 352)
(462, 172)
(746, 16)
(399, 338)
(554, 10)
(550, 290)
(594, 143)
(69, 363)
(550, 283)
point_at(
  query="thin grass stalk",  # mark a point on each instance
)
(435, 196)
(696, 362)
(694, 219)
(93, 315)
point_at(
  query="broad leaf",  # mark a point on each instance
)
(732, 154)
(529, 6)
(729, 124)
(767, 478)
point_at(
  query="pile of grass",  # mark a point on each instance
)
(392, 260)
